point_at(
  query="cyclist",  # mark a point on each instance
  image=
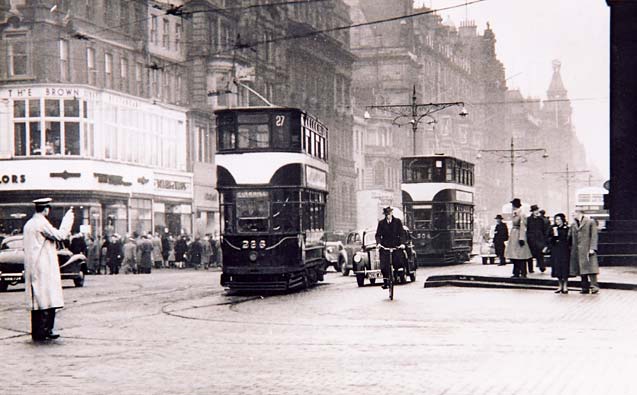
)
(389, 234)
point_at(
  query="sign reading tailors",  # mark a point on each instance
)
(315, 178)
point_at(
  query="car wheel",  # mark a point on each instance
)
(79, 281)
(360, 280)
(372, 281)
(344, 270)
(339, 265)
(4, 286)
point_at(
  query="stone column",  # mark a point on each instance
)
(622, 228)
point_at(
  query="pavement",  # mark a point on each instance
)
(179, 332)
(475, 274)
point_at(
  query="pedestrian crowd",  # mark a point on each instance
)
(140, 253)
(571, 249)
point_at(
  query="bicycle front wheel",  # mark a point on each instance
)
(391, 288)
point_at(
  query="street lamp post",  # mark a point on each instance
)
(567, 175)
(513, 154)
(414, 112)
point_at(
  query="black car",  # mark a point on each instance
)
(72, 266)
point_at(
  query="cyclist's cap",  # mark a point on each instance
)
(387, 210)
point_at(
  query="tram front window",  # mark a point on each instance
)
(422, 216)
(252, 211)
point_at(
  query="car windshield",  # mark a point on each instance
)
(370, 239)
(333, 237)
(11, 244)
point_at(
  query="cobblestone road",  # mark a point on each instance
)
(179, 332)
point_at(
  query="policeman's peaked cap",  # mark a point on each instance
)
(43, 202)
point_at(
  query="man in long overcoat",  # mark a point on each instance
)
(518, 250)
(43, 284)
(129, 264)
(536, 229)
(145, 254)
(500, 235)
(391, 234)
(583, 235)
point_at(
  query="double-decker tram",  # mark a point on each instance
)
(272, 182)
(437, 194)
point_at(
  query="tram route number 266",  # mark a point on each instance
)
(279, 120)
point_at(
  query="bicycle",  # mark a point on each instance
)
(390, 279)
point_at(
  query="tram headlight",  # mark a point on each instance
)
(358, 258)
(330, 249)
(253, 256)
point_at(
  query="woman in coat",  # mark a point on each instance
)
(180, 250)
(584, 252)
(518, 250)
(558, 243)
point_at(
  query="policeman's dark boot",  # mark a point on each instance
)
(385, 283)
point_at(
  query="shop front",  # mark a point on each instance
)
(107, 198)
(97, 151)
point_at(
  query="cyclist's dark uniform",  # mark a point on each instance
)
(391, 235)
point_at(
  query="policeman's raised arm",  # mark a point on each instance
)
(50, 232)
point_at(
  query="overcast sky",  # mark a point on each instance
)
(531, 33)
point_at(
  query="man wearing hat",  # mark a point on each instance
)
(391, 234)
(41, 269)
(536, 229)
(500, 235)
(518, 250)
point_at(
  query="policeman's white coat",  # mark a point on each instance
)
(41, 269)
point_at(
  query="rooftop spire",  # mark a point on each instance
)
(556, 88)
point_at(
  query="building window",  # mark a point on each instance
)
(17, 55)
(108, 70)
(123, 73)
(155, 83)
(178, 33)
(153, 29)
(90, 65)
(167, 90)
(61, 125)
(165, 34)
(139, 78)
(64, 60)
(179, 89)
(204, 145)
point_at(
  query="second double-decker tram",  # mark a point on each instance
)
(437, 194)
(272, 182)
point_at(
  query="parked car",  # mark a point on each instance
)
(367, 261)
(353, 244)
(335, 254)
(72, 266)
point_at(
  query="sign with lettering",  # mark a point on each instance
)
(13, 178)
(171, 185)
(315, 178)
(463, 196)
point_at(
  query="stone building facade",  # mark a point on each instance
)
(279, 53)
(444, 64)
(142, 80)
(89, 116)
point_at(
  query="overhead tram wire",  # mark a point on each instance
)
(322, 31)
(182, 13)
